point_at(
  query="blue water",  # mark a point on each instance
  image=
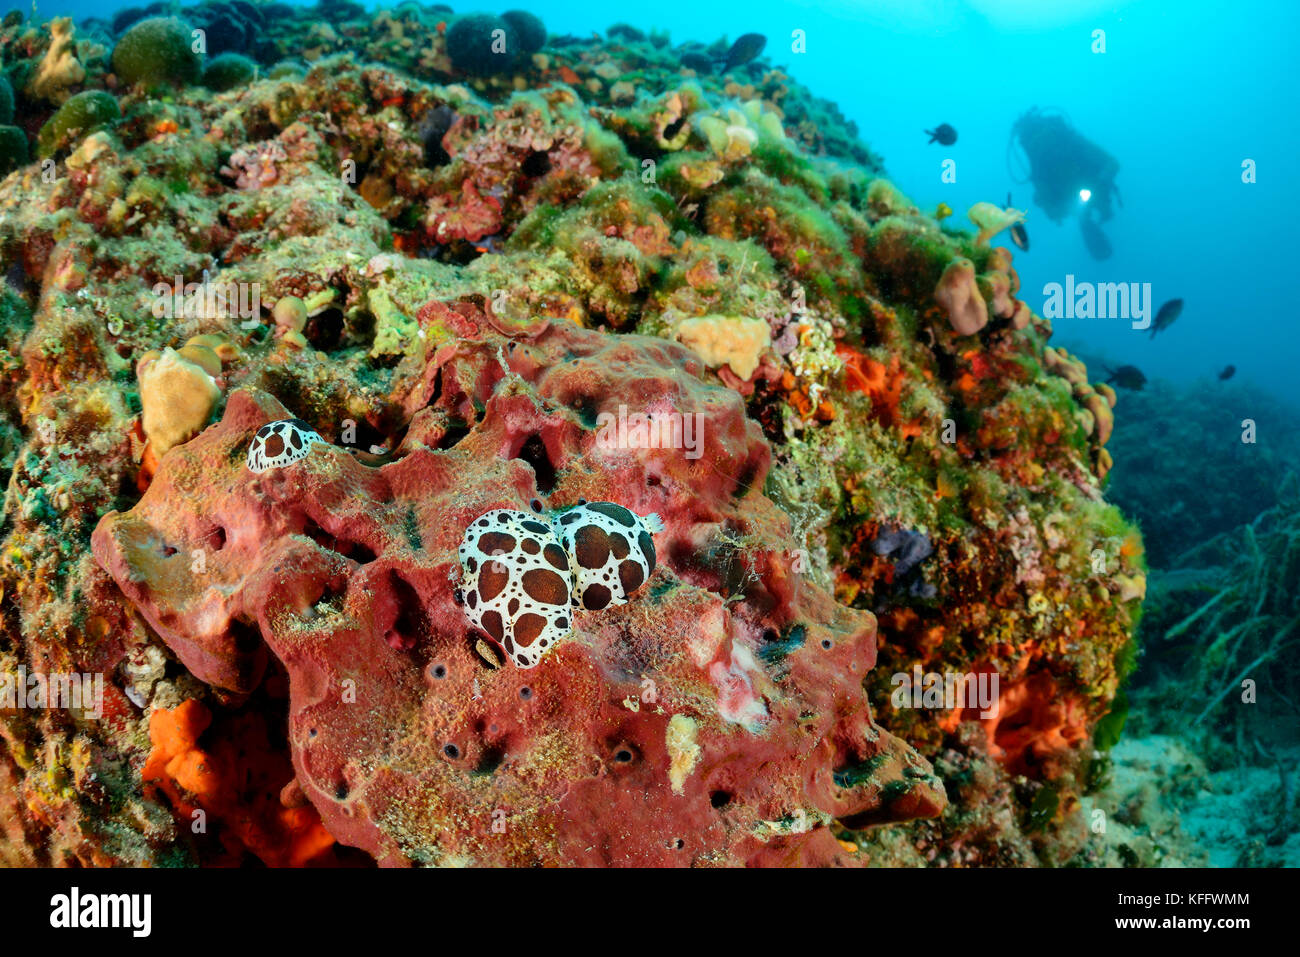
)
(1186, 90)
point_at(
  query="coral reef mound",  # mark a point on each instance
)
(598, 270)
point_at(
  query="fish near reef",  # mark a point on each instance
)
(1227, 373)
(743, 50)
(697, 61)
(943, 133)
(431, 129)
(1018, 234)
(1166, 315)
(1127, 377)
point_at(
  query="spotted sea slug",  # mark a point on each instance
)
(524, 573)
(281, 443)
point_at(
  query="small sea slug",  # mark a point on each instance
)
(524, 574)
(611, 550)
(281, 443)
(518, 583)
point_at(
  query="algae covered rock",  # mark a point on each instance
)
(157, 50)
(127, 16)
(228, 71)
(467, 327)
(482, 44)
(13, 148)
(286, 69)
(82, 114)
(6, 100)
(528, 28)
(726, 725)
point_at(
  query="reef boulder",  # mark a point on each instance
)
(718, 717)
(157, 50)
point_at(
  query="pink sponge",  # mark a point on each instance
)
(717, 716)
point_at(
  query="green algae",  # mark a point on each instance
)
(227, 71)
(6, 100)
(528, 28)
(80, 115)
(1109, 729)
(13, 148)
(1043, 808)
(482, 44)
(157, 51)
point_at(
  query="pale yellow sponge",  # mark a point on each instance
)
(991, 220)
(732, 341)
(177, 397)
(1132, 587)
(683, 752)
(59, 70)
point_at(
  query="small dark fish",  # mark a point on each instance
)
(743, 50)
(625, 31)
(944, 133)
(1227, 373)
(432, 128)
(1166, 315)
(1127, 377)
(697, 61)
(1096, 241)
(1018, 234)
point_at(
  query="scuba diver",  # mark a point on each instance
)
(1069, 173)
